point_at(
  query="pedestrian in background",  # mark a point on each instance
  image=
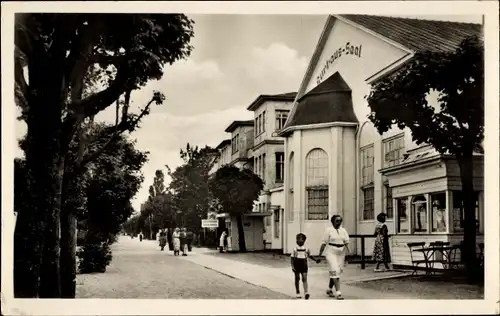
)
(140, 237)
(190, 239)
(163, 239)
(176, 236)
(381, 246)
(183, 238)
(223, 241)
(335, 241)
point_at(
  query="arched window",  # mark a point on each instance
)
(317, 184)
(290, 186)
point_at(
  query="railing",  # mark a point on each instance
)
(363, 260)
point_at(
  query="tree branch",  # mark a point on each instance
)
(120, 128)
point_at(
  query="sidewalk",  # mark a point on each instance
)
(280, 279)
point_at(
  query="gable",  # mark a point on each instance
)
(353, 52)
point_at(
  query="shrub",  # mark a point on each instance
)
(94, 257)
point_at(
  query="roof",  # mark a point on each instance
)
(289, 96)
(235, 124)
(328, 102)
(416, 34)
(223, 143)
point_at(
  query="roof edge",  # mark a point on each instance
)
(235, 124)
(270, 97)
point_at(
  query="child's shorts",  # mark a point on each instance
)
(300, 265)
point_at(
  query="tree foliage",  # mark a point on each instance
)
(236, 191)
(64, 53)
(452, 125)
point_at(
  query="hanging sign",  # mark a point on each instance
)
(347, 49)
(209, 223)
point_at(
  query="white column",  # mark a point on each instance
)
(334, 155)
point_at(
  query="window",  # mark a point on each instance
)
(260, 124)
(393, 150)
(317, 184)
(403, 222)
(263, 167)
(458, 210)
(281, 116)
(368, 203)
(235, 143)
(438, 212)
(280, 166)
(367, 169)
(388, 201)
(290, 184)
(277, 223)
(419, 214)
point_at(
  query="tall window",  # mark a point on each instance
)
(388, 201)
(403, 221)
(290, 184)
(458, 210)
(280, 166)
(438, 212)
(281, 116)
(393, 150)
(368, 203)
(277, 223)
(367, 169)
(235, 143)
(419, 214)
(260, 166)
(260, 124)
(317, 184)
(263, 162)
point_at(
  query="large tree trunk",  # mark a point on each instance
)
(37, 225)
(241, 233)
(469, 242)
(68, 253)
(50, 276)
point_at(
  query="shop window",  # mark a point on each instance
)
(388, 201)
(280, 166)
(281, 116)
(419, 214)
(438, 212)
(277, 223)
(367, 169)
(317, 184)
(458, 211)
(235, 144)
(290, 185)
(403, 221)
(368, 204)
(393, 150)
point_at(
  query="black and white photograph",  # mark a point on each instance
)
(155, 153)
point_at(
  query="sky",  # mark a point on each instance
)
(235, 59)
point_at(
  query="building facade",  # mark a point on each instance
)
(324, 157)
(337, 161)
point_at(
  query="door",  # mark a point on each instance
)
(248, 228)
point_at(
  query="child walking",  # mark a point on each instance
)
(299, 257)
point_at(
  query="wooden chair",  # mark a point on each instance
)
(415, 263)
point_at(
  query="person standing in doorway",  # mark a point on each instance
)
(335, 244)
(381, 246)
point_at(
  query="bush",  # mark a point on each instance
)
(94, 257)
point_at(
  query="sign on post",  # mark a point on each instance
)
(209, 223)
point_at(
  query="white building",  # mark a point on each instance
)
(336, 161)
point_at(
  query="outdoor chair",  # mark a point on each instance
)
(415, 262)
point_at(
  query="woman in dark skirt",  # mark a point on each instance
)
(381, 246)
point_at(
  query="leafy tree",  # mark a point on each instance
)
(455, 126)
(59, 51)
(236, 190)
(189, 184)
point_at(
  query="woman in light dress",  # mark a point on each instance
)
(335, 244)
(222, 241)
(176, 236)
